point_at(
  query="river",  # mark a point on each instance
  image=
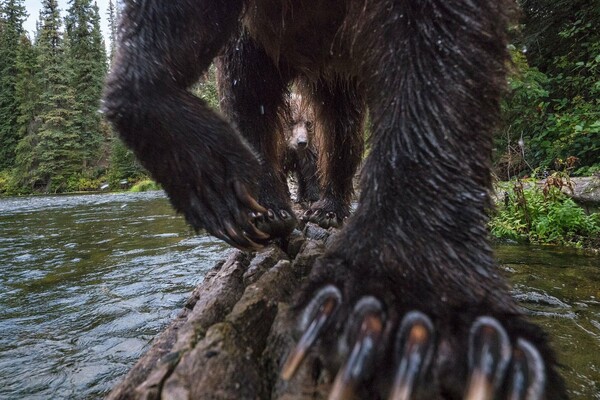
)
(87, 281)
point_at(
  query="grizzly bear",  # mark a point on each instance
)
(407, 301)
(300, 155)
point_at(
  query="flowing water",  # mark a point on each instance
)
(86, 282)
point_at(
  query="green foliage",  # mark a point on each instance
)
(529, 213)
(145, 186)
(563, 41)
(49, 154)
(553, 108)
(523, 115)
(86, 65)
(123, 165)
(78, 182)
(9, 186)
(12, 15)
(206, 89)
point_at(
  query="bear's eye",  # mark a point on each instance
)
(309, 125)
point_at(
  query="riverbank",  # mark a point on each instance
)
(556, 211)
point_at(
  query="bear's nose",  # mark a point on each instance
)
(302, 144)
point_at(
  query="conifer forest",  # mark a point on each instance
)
(53, 137)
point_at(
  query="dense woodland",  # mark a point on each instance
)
(53, 138)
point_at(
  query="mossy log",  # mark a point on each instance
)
(233, 335)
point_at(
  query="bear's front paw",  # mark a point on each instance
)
(379, 344)
(277, 221)
(229, 215)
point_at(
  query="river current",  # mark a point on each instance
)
(87, 281)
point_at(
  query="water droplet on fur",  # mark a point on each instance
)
(262, 110)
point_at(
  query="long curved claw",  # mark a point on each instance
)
(528, 375)
(489, 355)
(415, 345)
(240, 239)
(220, 234)
(361, 359)
(326, 304)
(253, 231)
(246, 198)
(275, 223)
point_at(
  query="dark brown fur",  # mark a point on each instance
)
(430, 72)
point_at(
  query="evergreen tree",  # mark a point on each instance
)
(87, 64)
(27, 87)
(27, 92)
(12, 15)
(112, 26)
(51, 153)
(123, 164)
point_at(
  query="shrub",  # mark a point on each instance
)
(542, 215)
(145, 186)
(9, 185)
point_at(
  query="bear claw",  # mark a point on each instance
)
(325, 304)
(415, 345)
(275, 223)
(528, 375)
(496, 368)
(322, 218)
(239, 238)
(246, 198)
(361, 360)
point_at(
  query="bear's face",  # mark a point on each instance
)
(299, 132)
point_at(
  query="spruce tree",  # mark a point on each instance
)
(112, 26)
(56, 148)
(27, 92)
(12, 15)
(27, 87)
(87, 64)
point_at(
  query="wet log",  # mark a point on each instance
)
(232, 337)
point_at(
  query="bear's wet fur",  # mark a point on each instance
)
(431, 74)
